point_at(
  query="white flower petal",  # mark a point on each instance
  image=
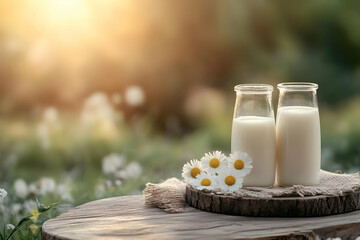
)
(10, 226)
(205, 162)
(134, 96)
(47, 185)
(3, 193)
(196, 183)
(186, 173)
(112, 163)
(240, 156)
(230, 172)
(21, 189)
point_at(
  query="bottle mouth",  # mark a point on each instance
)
(254, 88)
(297, 86)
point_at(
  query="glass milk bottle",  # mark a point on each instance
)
(253, 132)
(298, 137)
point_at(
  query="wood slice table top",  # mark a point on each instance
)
(308, 206)
(128, 218)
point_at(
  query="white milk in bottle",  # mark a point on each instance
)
(298, 145)
(298, 139)
(256, 136)
(253, 132)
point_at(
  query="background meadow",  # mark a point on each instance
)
(99, 97)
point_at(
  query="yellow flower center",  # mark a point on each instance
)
(239, 164)
(195, 171)
(214, 163)
(206, 182)
(230, 180)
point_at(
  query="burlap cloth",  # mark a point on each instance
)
(170, 194)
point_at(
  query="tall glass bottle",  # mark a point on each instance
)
(253, 132)
(298, 137)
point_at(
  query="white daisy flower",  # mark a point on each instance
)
(112, 163)
(134, 96)
(205, 181)
(132, 171)
(29, 205)
(214, 162)
(3, 193)
(241, 162)
(191, 170)
(33, 189)
(16, 208)
(21, 188)
(46, 185)
(10, 227)
(230, 180)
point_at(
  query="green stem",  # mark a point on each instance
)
(20, 224)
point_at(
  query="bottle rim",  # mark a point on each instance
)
(297, 86)
(254, 88)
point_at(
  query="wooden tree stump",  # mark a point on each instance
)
(312, 206)
(128, 218)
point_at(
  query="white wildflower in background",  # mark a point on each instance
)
(33, 189)
(10, 227)
(112, 163)
(29, 205)
(108, 183)
(63, 191)
(67, 197)
(46, 185)
(3, 193)
(118, 182)
(131, 171)
(134, 96)
(16, 208)
(21, 189)
(99, 116)
(97, 109)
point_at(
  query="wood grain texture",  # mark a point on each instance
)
(312, 206)
(128, 218)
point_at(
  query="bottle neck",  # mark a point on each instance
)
(297, 98)
(258, 104)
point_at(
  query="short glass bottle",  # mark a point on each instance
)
(253, 132)
(298, 138)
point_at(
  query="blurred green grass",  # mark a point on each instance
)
(74, 155)
(78, 155)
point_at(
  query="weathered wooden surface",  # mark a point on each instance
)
(128, 218)
(312, 206)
